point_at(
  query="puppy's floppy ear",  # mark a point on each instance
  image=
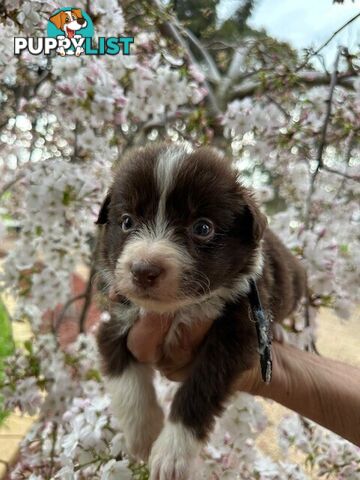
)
(58, 20)
(104, 211)
(251, 221)
(258, 220)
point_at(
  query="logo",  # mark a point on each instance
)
(70, 31)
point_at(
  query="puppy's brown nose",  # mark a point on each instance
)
(144, 274)
(81, 21)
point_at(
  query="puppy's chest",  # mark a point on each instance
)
(182, 321)
(189, 317)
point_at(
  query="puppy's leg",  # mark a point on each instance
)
(229, 349)
(78, 50)
(61, 50)
(133, 397)
(134, 403)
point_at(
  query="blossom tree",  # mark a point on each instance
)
(292, 128)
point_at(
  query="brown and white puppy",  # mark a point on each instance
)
(69, 21)
(182, 237)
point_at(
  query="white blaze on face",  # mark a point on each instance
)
(168, 165)
(161, 252)
(153, 244)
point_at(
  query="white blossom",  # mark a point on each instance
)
(114, 470)
(65, 124)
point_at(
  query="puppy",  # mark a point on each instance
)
(69, 21)
(181, 237)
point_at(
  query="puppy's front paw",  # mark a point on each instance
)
(173, 453)
(79, 51)
(143, 431)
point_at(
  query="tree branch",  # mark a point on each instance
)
(334, 78)
(170, 30)
(61, 315)
(11, 183)
(310, 78)
(322, 142)
(179, 114)
(355, 178)
(212, 67)
(328, 41)
(87, 302)
(278, 106)
(220, 45)
(232, 75)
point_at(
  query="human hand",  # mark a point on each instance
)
(301, 381)
(147, 338)
(146, 341)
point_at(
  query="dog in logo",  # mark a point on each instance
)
(69, 22)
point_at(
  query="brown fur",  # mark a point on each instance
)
(205, 186)
(59, 18)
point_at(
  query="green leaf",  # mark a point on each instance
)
(6, 348)
(93, 374)
(6, 339)
(28, 346)
(344, 249)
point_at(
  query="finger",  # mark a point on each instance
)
(146, 337)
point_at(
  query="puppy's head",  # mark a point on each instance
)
(178, 227)
(69, 21)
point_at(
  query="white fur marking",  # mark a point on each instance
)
(172, 257)
(134, 403)
(168, 165)
(173, 453)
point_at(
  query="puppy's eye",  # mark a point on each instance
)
(203, 229)
(67, 20)
(127, 223)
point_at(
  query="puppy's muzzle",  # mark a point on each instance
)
(145, 274)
